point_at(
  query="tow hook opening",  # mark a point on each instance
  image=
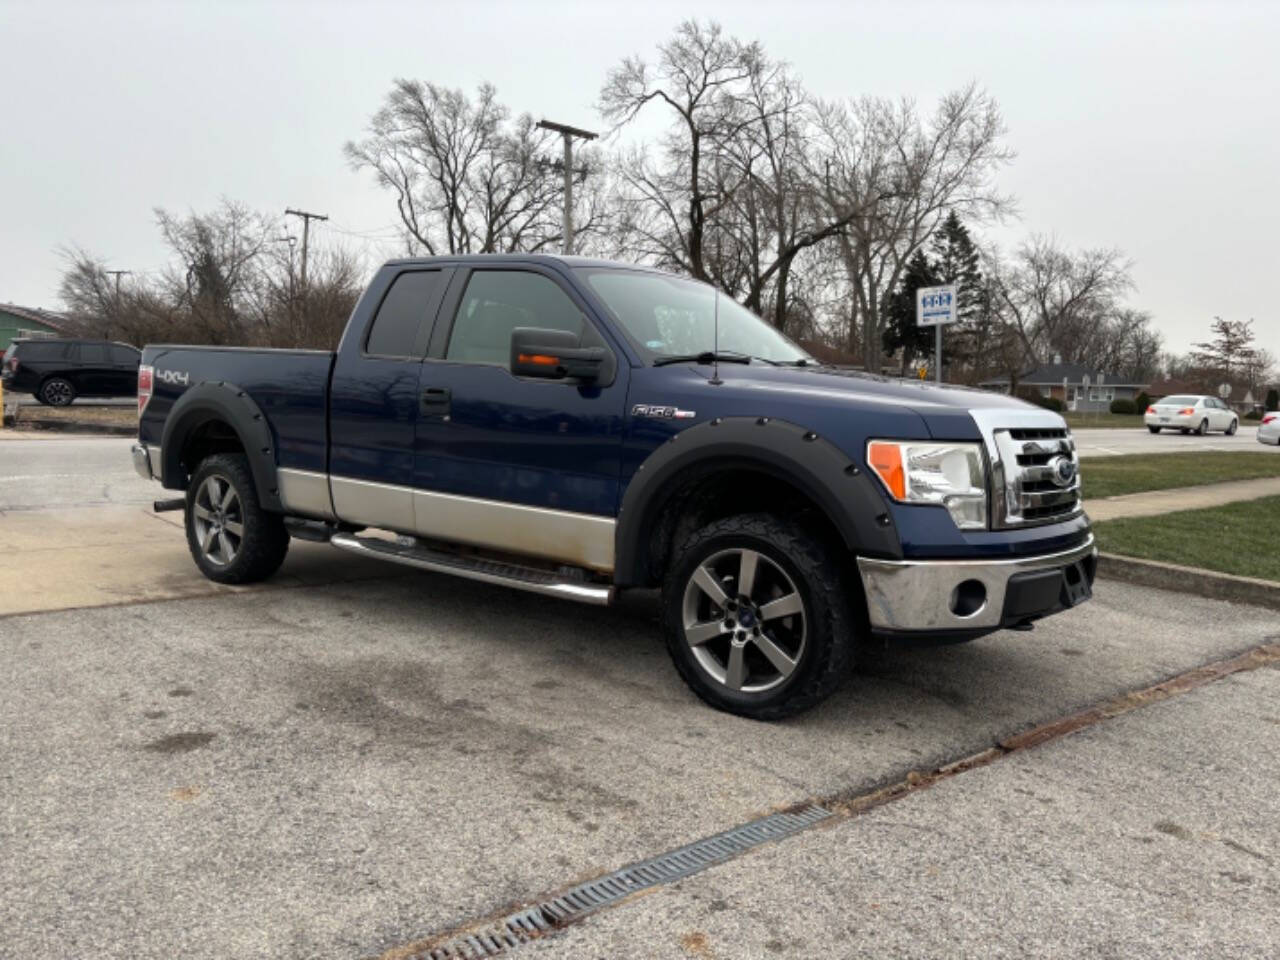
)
(968, 598)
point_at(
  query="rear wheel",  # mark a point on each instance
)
(1153, 429)
(57, 392)
(1203, 429)
(231, 538)
(756, 617)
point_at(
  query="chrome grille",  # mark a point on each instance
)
(1026, 491)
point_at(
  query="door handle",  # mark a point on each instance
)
(435, 402)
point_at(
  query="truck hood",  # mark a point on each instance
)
(945, 411)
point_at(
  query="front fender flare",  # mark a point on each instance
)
(221, 401)
(818, 468)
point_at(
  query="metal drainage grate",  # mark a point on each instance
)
(529, 924)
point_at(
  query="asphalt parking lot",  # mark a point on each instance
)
(355, 757)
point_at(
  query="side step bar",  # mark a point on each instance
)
(473, 568)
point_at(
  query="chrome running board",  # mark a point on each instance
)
(504, 574)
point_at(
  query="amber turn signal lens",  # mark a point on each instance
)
(541, 359)
(886, 461)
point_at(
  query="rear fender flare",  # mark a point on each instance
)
(221, 401)
(833, 480)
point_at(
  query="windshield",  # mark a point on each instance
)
(667, 316)
(1181, 401)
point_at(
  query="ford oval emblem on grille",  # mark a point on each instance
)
(1062, 470)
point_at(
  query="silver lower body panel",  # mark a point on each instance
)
(918, 595)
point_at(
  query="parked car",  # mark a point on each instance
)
(1191, 413)
(1269, 429)
(574, 427)
(55, 372)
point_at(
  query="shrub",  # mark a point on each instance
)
(1123, 405)
(1253, 415)
(1032, 395)
(1141, 402)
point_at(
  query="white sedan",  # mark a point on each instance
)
(1269, 429)
(1190, 413)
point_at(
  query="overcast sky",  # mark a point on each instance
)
(1152, 127)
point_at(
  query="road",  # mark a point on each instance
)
(1115, 442)
(356, 757)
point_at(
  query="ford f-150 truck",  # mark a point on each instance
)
(574, 427)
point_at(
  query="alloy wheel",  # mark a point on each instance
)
(218, 519)
(744, 620)
(57, 393)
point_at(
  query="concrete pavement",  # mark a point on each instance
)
(343, 768)
(1151, 503)
(1152, 835)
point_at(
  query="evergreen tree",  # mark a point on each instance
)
(1273, 399)
(956, 260)
(900, 326)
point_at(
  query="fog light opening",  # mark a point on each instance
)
(968, 598)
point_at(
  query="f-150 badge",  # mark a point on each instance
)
(665, 413)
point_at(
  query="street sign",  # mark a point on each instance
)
(935, 305)
(1224, 390)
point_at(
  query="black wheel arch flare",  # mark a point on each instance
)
(213, 401)
(838, 484)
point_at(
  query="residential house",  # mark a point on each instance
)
(17, 322)
(1067, 382)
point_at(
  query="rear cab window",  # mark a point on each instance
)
(403, 322)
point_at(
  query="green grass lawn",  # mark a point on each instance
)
(1241, 538)
(1112, 476)
(1117, 421)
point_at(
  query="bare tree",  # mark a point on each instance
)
(667, 203)
(1058, 301)
(466, 176)
(896, 177)
(226, 284)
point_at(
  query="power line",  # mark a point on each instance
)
(306, 230)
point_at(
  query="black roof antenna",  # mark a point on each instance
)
(715, 341)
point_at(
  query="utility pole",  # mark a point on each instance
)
(306, 230)
(569, 133)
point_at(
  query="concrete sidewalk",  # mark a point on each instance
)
(1153, 502)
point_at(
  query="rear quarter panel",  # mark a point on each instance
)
(291, 387)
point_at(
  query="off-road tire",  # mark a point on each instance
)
(265, 541)
(827, 655)
(57, 392)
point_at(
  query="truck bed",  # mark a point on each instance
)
(290, 386)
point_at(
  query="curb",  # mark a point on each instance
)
(1193, 580)
(72, 426)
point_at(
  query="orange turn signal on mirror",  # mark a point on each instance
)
(540, 359)
(886, 460)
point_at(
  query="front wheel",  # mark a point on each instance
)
(1231, 430)
(231, 538)
(756, 617)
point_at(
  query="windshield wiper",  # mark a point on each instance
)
(707, 356)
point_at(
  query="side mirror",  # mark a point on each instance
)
(553, 355)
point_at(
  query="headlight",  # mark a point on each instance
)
(950, 474)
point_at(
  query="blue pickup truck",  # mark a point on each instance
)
(574, 427)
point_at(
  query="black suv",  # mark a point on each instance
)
(58, 371)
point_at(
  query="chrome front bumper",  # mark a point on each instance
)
(907, 596)
(142, 461)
